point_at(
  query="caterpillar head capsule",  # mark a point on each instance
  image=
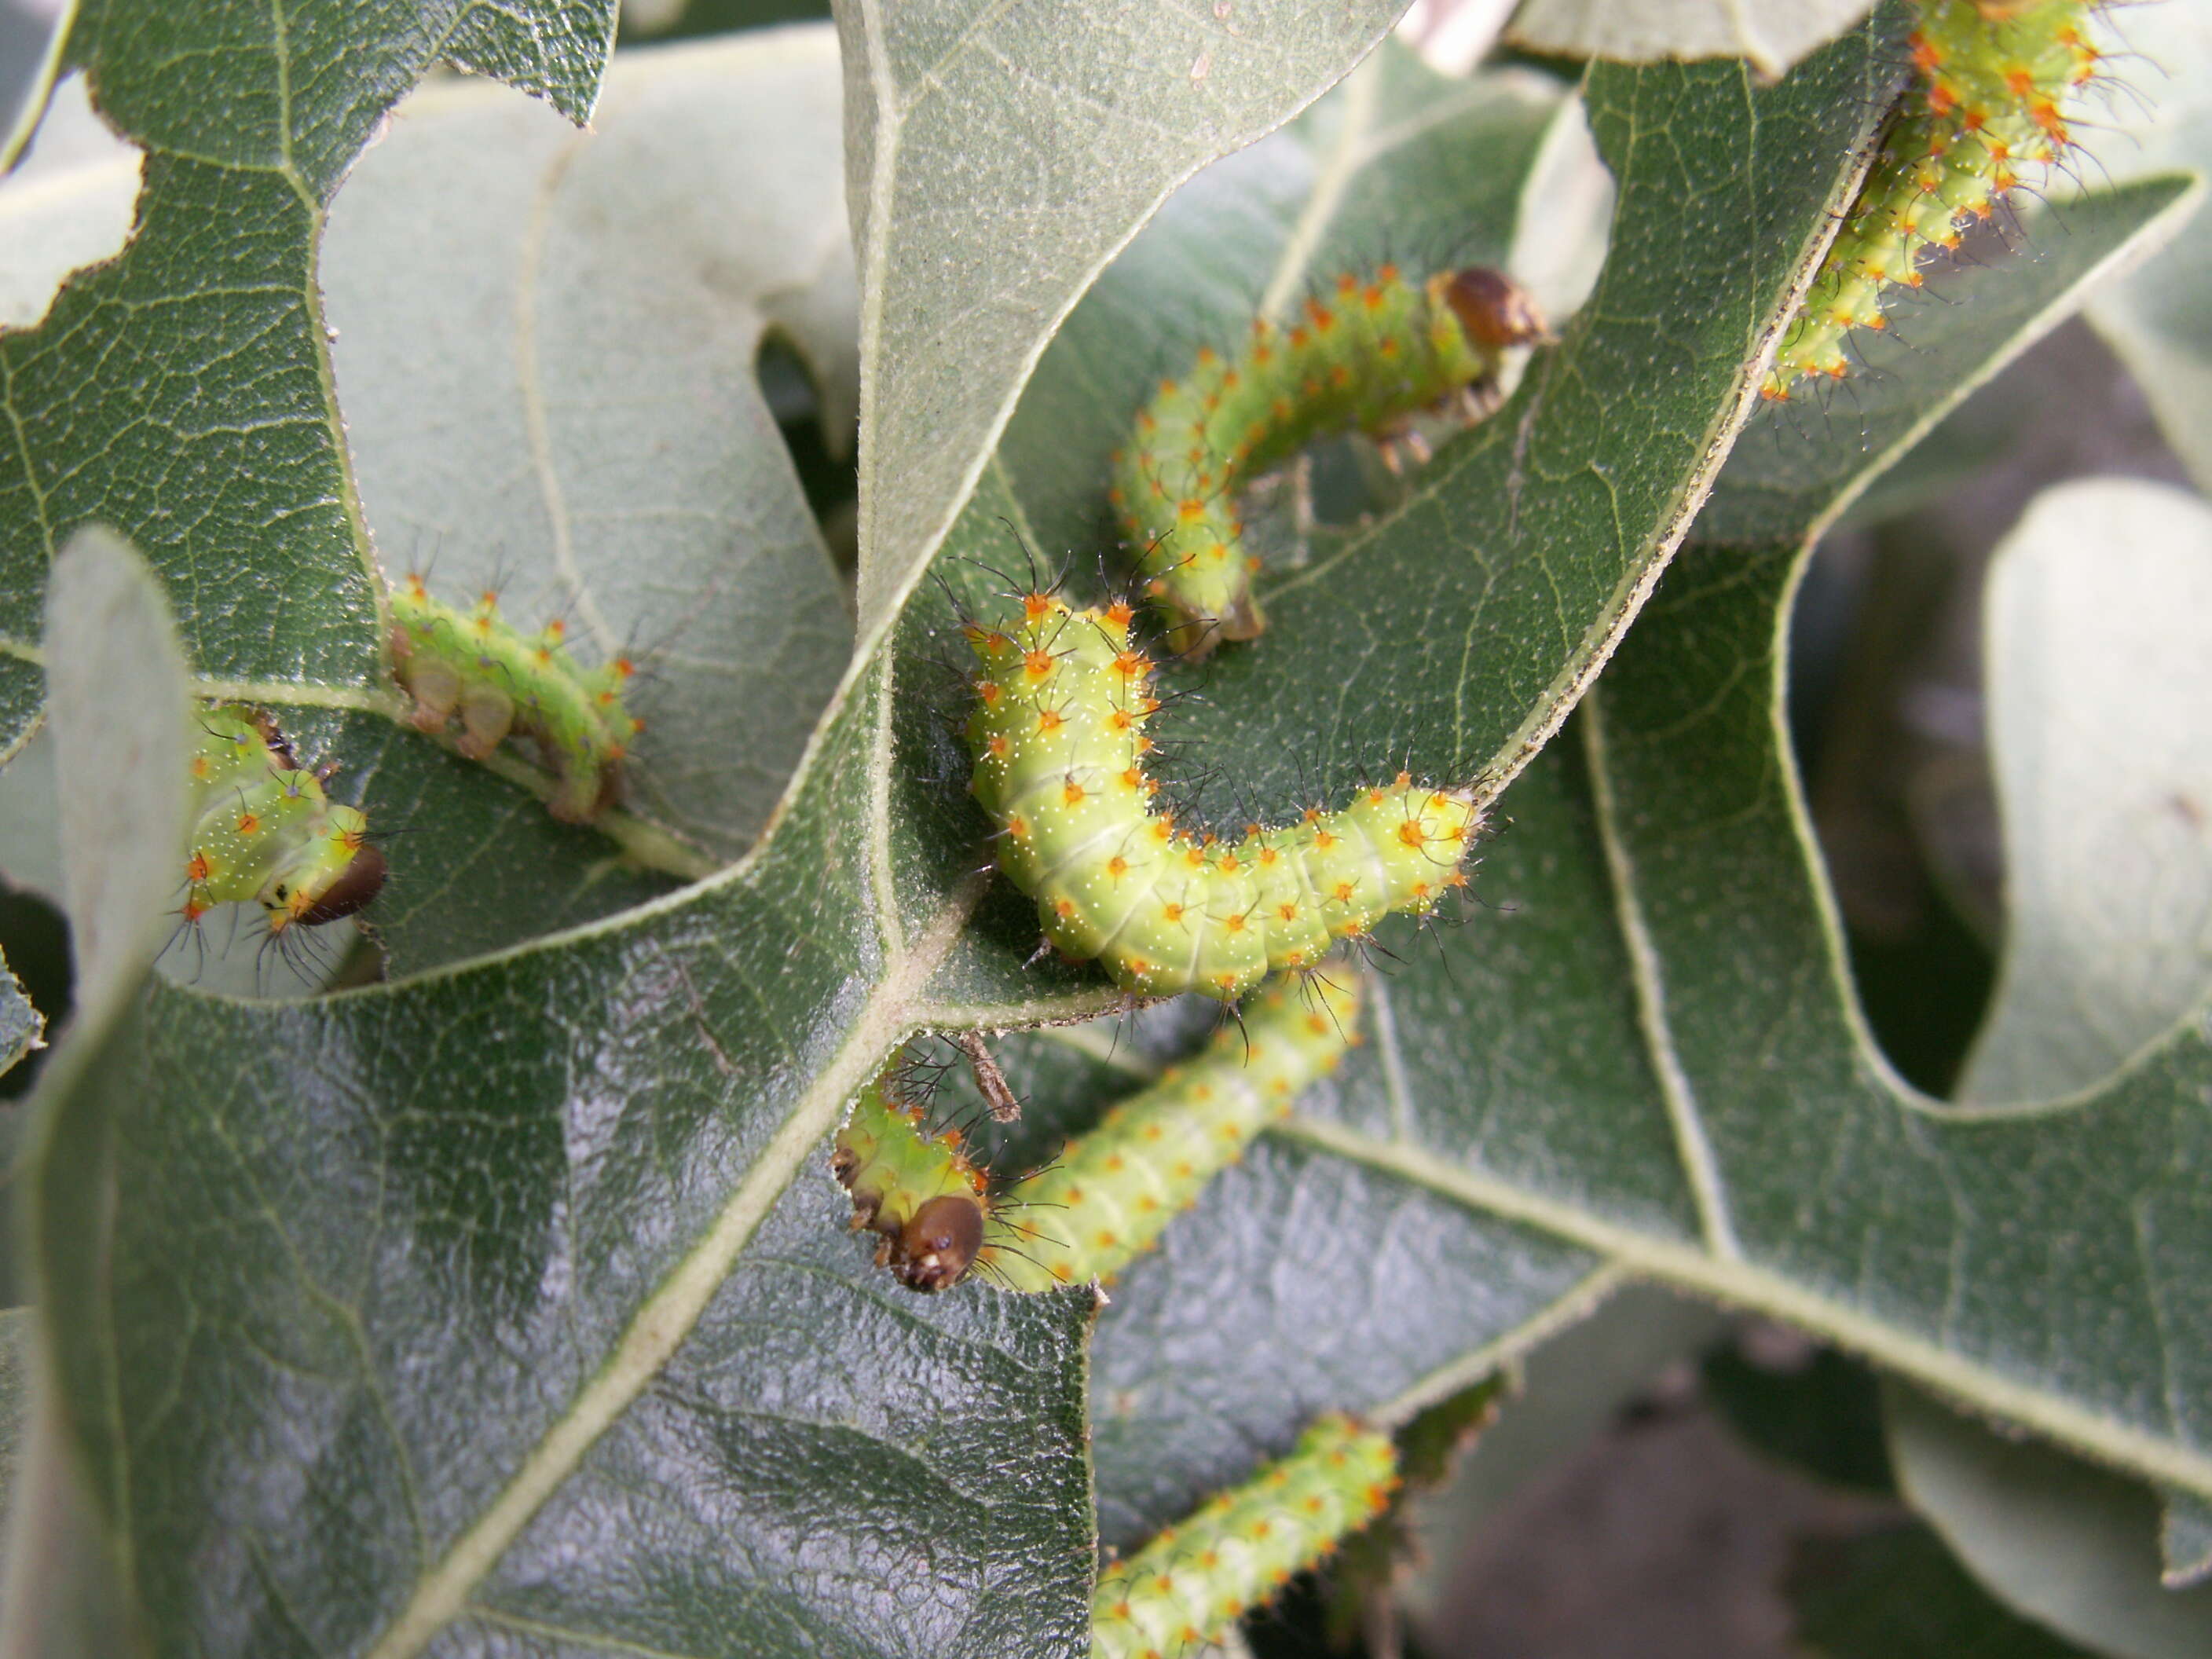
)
(935, 1249)
(350, 892)
(1495, 311)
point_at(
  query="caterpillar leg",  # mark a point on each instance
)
(487, 716)
(434, 685)
(503, 684)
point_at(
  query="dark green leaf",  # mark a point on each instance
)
(519, 1272)
(22, 1027)
(1898, 1595)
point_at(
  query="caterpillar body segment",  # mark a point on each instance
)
(501, 682)
(1378, 350)
(1058, 737)
(262, 830)
(1191, 1583)
(1108, 1196)
(1994, 80)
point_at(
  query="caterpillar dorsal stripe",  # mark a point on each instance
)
(1993, 83)
(502, 681)
(1058, 736)
(1379, 351)
(1191, 1583)
(1107, 1197)
(263, 831)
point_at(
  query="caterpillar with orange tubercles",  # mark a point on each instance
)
(1062, 699)
(1994, 83)
(263, 831)
(1194, 1580)
(1107, 1197)
(1380, 350)
(501, 682)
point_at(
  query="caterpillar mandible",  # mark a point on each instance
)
(1192, 1582)
(1058, 739)
(1993, 81)
(262, 830)
(1107, 1197)
(1380, 350)
(500, 681)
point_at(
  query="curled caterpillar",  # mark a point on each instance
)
(263, 829)
(1105, 1199)
(1993, 80)
(1058, 739)
(500, 681)
(1379, 352)
(1191, 1583)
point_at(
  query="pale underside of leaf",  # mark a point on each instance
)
(2098, 685)
(483, 262)
(981, 211)
(1772, 34)
(2156, 114)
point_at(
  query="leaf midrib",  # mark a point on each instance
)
(665, 1318)
(1760, 1289)
(1717, 1268)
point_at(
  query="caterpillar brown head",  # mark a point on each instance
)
(262, 830)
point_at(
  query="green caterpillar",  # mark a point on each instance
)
(1382, 351)
(501, 682)
(1106, 1199)
(1108, 1195)
(916, 1189)
(1058, 739)
(263, 831)
(1191, 1583)
(1994, 80)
